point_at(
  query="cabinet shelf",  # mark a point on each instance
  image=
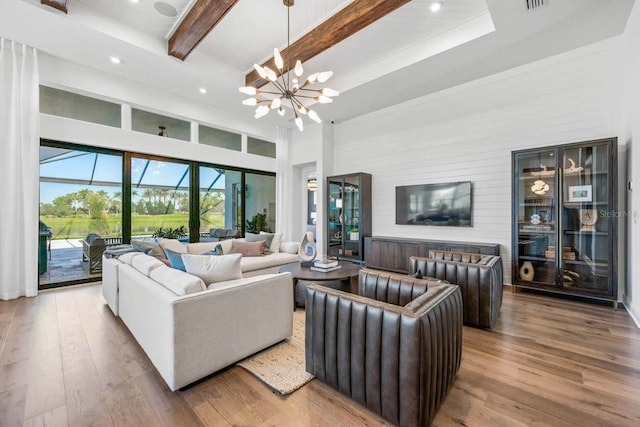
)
(529, 232)
(582, 204)
(586, 233)
(536, 205)
(599, 264)
(536, 258)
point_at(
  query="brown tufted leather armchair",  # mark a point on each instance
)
(480, 279)
(395, 348)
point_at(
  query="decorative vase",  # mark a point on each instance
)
(307, 249)
(526, 271)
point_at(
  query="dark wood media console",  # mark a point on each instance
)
(392, 253)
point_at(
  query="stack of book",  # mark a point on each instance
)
(325, 265)
(567, 253)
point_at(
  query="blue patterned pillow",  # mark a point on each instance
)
(175, 259)
(217, 250)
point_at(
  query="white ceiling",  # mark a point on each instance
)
(408, 53)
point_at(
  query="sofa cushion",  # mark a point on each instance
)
(145, 244)
(229, 284)
(128, 257)
(267, 238)
(271, 260)
(289, 247)
(178, 282)
(175, 259)
(274, 246)
(213, 269)
(173, 244)
(145, 263)
(199, 247)
(248, 248)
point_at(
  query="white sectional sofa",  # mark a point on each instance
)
(250, 266)
(190, 329)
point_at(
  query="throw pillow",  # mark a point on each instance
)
(217, 250)
(274, 247)
(248, 248)
(174, 244)
(213, 269)
(146, 244)
(268, 238)
(175, 259)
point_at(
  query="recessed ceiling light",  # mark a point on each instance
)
(115, 59)
(435, 6)
(134, 1)
(165, 9)
(203, 90)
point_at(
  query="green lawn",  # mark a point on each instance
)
(79, 227)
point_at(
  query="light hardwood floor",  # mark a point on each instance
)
(66, 360)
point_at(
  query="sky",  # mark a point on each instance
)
(77, 165)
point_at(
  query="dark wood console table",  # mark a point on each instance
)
(392, 253)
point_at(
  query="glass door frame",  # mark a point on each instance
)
(44, 142)
(611, 214)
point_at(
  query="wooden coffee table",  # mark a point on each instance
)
(349, 271)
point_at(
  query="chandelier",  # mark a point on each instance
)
(288, 92)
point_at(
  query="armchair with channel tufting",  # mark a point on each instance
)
(395, 348)
(480, 279)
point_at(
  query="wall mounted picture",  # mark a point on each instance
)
(580, 193)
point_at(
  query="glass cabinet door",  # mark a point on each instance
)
(335, 218)
(351, 194)
(586, 217)
(536, 213)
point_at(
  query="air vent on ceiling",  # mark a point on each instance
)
(534, 4)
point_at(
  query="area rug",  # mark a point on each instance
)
(281, 366)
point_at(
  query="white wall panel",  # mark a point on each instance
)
(631, 135)
(467, 133)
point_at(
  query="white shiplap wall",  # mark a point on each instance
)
(631, 114)
(468, 133)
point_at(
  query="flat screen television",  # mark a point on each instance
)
(443, 204)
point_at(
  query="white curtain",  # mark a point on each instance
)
(283, 183)
(19, 170)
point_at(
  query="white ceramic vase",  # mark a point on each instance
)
(526, 271)
(307, 250)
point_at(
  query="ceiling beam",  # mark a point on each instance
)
(340, 26)
(56, 4)
(203, 16)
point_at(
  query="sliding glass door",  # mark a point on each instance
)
(80, 200)
(91, 199)
(159, 196)
(217, 205)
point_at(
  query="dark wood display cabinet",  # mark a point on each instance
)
(565, 219)
(348, 215)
